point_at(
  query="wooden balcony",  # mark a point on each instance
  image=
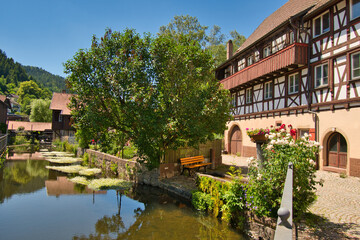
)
(290, 57)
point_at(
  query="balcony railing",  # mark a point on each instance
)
(291, 56)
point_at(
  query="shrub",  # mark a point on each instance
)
(85, 159)
(266, 183)
(202, 201)
(114, 167)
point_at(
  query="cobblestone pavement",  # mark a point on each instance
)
(339, 203)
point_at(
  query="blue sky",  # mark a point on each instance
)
(46, 33)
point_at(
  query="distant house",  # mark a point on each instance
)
(29, 126)
(4, 106)
(61, 124)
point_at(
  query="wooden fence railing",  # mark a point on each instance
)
(3, 144)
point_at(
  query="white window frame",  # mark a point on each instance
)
(250, 60)
(292, 83)
(241, 64)
(322, 77)
(233, 99)
(354, 67)
(291, 37)
(268, 91)
(249, 95)
(266, 51)
(351, 10)
(322, 30)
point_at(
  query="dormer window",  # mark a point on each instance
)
(322, 24)
(355, 9)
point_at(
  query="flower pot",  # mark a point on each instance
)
(258, 138)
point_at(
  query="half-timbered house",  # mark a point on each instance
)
(301, 66)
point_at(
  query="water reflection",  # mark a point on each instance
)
(60, 209)
(22, 177)
(62, 186)
(163, 217)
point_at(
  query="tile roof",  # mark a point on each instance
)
(5, 100)
(29, 126)
(2, 98)
(280, 16)
(60, 101)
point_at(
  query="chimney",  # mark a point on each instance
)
(229, 49)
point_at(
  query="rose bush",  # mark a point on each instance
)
(266, 184)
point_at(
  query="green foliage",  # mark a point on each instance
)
(53, 82)
(266, 183)
(160, 93)
(222, 199)
(28, 91)
(3, 128)
(64, 146)
(3, 157)
(202, 201)
(85, 159)
(215, 41)
(114, 167)
(40, 111)
(12, 74)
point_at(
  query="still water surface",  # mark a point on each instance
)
(37, 203)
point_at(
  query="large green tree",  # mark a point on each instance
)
(29, 91)
(215, 41)
(40, 111)
(160, 92)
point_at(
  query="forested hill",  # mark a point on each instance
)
(54, 83)
(11, 73)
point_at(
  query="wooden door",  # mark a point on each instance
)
(235, 141)
(337, 151)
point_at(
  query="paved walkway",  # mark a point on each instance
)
(336, 212)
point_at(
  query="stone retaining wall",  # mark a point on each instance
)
(126, 169)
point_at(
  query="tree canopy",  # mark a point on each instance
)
(215, 41)
(40, 111)
(160, 92)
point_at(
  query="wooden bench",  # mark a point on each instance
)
(193, 163)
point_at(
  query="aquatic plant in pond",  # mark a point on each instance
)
(64, 160)
(109, 183)
(90, 171)
(67, 169)
(76, 169)
(79, 180)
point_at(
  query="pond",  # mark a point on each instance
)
(38, 203)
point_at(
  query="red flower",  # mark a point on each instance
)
(282, 126)
(293, 132)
